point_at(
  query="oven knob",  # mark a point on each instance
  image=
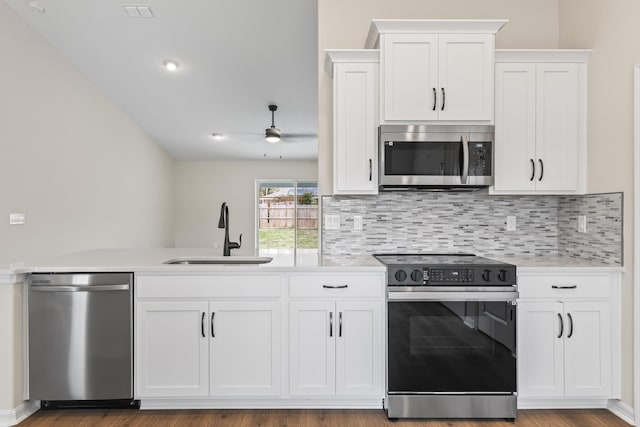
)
(486, 275)
(401, 275)
(502, 275)
(417, 276)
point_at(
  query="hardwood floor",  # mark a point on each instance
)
(306, 418)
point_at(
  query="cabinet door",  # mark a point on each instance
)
(359, 349)
(244, 347)
(466, 76)
(541, 331)
(355, 123)
(515, 152)
(587, 349)
(312, 358)
(409, 77)
(171, 349)
(557, 127)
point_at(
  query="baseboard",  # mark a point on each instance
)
(562, 403)
(622, 410)
(11, 417)
(290, 403)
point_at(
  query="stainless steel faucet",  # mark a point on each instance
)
(224, 223)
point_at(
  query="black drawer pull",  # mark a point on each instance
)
(564, 286)
(335, 286)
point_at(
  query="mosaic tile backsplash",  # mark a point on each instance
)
(476, 223)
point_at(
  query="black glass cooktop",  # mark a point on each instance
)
(429, 259)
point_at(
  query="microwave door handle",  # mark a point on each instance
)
(465, 158)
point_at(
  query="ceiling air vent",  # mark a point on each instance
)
(138, 11)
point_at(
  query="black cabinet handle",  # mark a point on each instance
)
(541, 170)
(435, 99)
(340, 324)
(570, 325)
(202, 324)
(370, 169)
(213, 334)
(442, 109)
(561, 326)
(331, 323)
(533, 170)
(564, 286)
(335, 286)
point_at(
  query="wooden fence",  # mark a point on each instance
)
(283, 215)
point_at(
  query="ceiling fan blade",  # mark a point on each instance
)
(299, 135)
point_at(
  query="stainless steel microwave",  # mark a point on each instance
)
(435, 157)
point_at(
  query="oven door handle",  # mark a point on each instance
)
(453, 296)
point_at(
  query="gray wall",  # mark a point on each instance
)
(201, 187)
(85, 175)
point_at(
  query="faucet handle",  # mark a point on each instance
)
(236, 245)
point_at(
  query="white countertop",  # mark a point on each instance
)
(150, 261)
(525, 263)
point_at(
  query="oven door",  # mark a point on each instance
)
(453, 346)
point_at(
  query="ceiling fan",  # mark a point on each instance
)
(273, 134)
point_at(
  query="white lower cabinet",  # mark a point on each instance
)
(336, 348)
(568, 340)
(191, 345)
(172, 356)
(217, 348)
(336, 335)
(244, 348)
(220, 341)
(564, 349)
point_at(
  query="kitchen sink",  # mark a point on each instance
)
(212, 260)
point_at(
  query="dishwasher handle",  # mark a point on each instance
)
(80, 288)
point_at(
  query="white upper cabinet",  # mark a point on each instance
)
(540, 123)
(355, 120)
(435, 70)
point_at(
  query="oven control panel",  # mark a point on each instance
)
(417, 275)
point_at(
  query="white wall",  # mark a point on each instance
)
(201, 187)
(11, 354)
(611, 30)
(345, 24)
(85, 175)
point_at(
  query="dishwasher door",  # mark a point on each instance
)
(80, 336)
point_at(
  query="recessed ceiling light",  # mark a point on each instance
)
(171, 65)
(217, 136)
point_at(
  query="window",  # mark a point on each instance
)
(288, 221)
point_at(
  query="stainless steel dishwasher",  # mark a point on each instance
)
(81, 339)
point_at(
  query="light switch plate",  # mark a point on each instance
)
(582, 223)
(511, 223)
(17, 218)
(357, 222)
(332, 222)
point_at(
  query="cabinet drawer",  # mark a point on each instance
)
(336, 285)
(559, 286)
(207, 286)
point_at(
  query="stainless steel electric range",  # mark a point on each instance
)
(451, 336)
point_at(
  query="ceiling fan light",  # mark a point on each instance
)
(272, 134)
